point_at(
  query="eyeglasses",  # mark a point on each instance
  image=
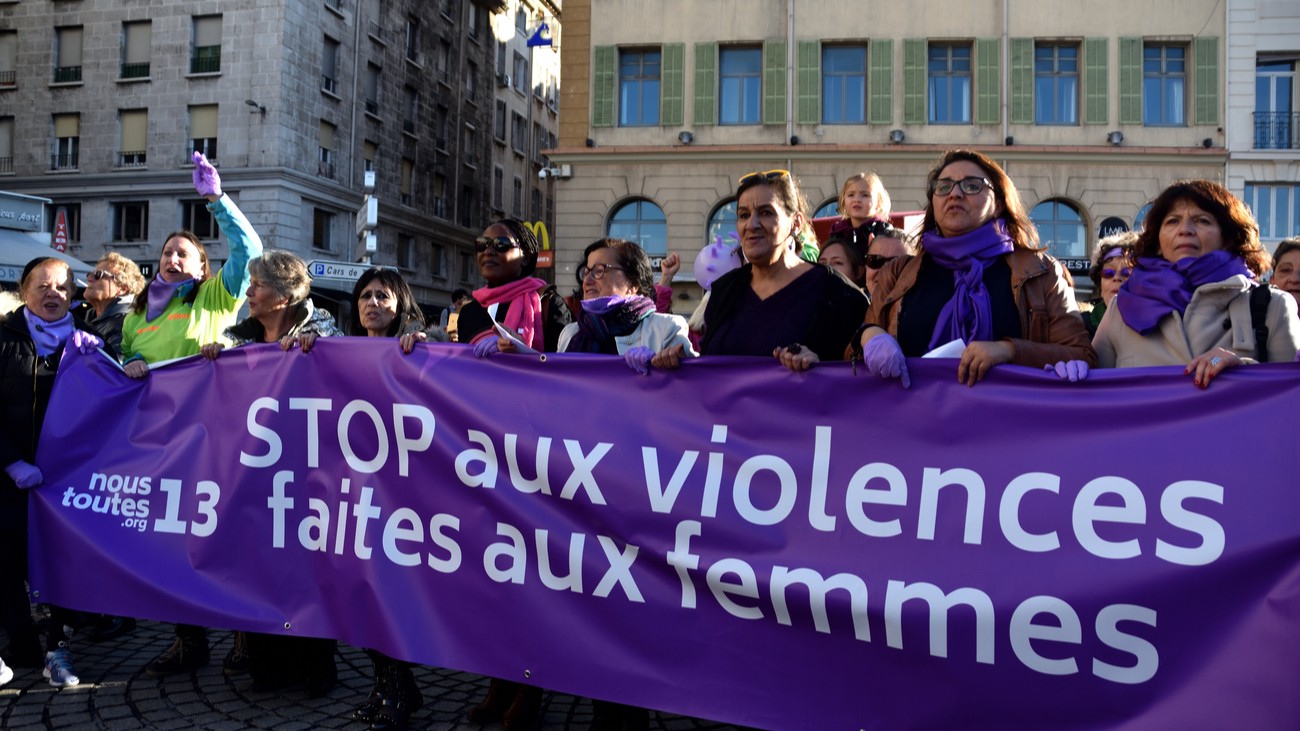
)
(378, 295)
(968, 186)
(502, 244)
(768, 175)
(597, 271)
(1109, 273)
(101, 274)
(875, 261)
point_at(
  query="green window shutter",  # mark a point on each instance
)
(914, 75)
(1207, 79)
(1022, 80)
(706, 84)
(602, 86)
(810, 82)
(988, 81)
(1096, 81)
(774, 75)
(672, 86)
(880, 81)
(1130, 81)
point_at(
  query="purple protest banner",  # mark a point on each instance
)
(731, 541)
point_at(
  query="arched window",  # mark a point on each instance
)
(722, 224)
(1141, 217)
(1060, 229)
(829, 208)
(643, 222)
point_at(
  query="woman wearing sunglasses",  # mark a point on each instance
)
(1110, 269)
(110, 290)
(979, 277)
(507, 257)
(778, 304)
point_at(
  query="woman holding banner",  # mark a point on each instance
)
(979, 277)
(1194, 299)
(32, 340)
(778, 303)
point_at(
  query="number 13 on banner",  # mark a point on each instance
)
(208, 493)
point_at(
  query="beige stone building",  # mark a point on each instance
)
(1092, 108)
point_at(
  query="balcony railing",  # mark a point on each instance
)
(1277, 130)
(66, 74)
(131, 159)
(6, 164)
(206, 60)
(325, 169)
(135, 70)
(8, 79)
(327, 83)
(66, 161)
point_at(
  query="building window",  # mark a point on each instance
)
(405, 245)
(203, 131)
(321, 234)
(499, 121)
(444, 62)
(133, 129)
(196, 217)
(1056, 84)
(722, 224)
(206, 58)
(372, 88)
(643, 222)
(369, 154)
(638, 88)
(1276, 208)
(131, 221)
(844, 84)
(1276, 119)
(469, 151)
(468, 204)
(410, 108)
(8, 59)
(136, 39)
(405, 184)
(740, 85)
(467, 267)
(535, 207)
(474, 22)
(438, 260)
(6, 144)
(440, 129)
(949, 80)
(520, 81)
(521, 19)
(471, 81)
(1164, 85)
(329, 60)
(325, 163)
(67, 55)
(1060, 229)
(413, 40)
(67, 142)
(518, 132)
(517, 202)
(498, 187)
(440, 195)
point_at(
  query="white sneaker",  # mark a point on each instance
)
(6, 673)
(58, 668)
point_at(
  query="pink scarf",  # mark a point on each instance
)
(524, 312)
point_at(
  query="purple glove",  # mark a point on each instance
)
(1069, 370)
(638, 358)
(206, 179)
(25, 475)
(883, 357)
(487, 346)
(85, 342)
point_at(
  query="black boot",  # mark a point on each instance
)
(501, 693)
(525, 710)
(403, 699)
(186, 654)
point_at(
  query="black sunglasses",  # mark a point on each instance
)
(875, 261)
(501, 243)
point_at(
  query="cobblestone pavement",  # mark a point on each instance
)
(115, 694)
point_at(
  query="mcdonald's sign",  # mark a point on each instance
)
(545, 257)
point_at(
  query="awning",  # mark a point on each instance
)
(18, 248)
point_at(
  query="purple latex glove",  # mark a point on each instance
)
(487, 346)
(638, 358)
(1069, 370)
(25, 474)
(85, 342)
(883, 357)
(206, 179)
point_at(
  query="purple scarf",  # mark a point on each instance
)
(604, 318)
(48, 336)
(1158, 287)
(968, 315)
(161, 292)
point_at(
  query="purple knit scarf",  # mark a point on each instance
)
(1158, 287)
(48, 337)
(604, 318)
(161, 292)
(968, 315)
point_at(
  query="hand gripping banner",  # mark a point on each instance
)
(731, 540)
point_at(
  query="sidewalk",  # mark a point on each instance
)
(115, 694)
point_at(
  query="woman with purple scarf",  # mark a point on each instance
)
(979, 277)
(1187, 301)
(618, 315)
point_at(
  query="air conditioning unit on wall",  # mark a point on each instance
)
(503, 80)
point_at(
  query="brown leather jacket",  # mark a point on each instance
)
(1049, 316)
